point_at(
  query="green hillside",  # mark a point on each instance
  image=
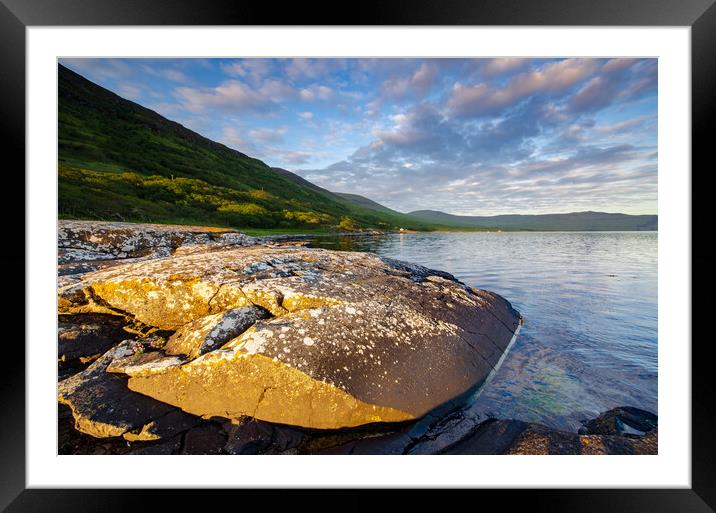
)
(121, 161)
(575, 221)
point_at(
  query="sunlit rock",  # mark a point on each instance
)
(300, 336)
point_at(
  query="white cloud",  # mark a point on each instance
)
(417, 84)
(486, 98)
(230, 95)
(235, 95)
(316, 92)
(252, 69)
(267, 134)
(129, 91)
(503, 65)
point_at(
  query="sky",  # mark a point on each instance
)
(464, 136)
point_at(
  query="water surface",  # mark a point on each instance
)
(589, 302)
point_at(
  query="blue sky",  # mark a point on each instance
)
(465, 136)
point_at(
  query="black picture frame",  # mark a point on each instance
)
(700, 15)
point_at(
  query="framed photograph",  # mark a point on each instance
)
(429, 249)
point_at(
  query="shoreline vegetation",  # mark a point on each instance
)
(332, 231)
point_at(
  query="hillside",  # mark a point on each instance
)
(121, 161)
(576, 221)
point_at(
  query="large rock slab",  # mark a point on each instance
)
(346, 339)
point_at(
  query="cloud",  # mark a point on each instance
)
(100, 68)
(295, 158)
(316, 92)
(311, 68)
(129, 91)
(619, 80)
(502, 66)
(261, 143)
(466, 136)
(267, 134)
(587, 179)
(425, 133)
(489, 98)
(234, 95)
(253, 70)
(416, 84)
(172, 74)
(233, 138)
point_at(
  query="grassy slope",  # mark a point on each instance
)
(121, 161)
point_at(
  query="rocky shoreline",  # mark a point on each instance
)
(192, 340)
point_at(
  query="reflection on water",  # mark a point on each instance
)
(589, 301)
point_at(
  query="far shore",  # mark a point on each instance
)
(304, 233)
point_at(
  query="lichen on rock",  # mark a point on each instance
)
(293, 335)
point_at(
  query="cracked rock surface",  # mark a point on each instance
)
(294, 335)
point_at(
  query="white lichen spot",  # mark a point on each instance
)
(308, 340)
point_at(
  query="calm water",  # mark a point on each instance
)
(589, 301)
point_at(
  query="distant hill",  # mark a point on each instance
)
(121, 161)
(576, 221)
(365, 202)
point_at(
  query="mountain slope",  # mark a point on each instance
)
(119, 160)
(576, 221)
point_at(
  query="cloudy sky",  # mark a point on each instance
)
(465, 136)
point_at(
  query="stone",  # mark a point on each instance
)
(252, 436)
(508, 436)
(143, 363)
(83, 336)
(207, 438)
(538, 439)
(321, 339)
(164, 427)
(101, 240)
(171, 446)
(625, 420)
(213, 331)
(101, 403)
(494, 436)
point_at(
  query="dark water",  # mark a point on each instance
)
(589, 301)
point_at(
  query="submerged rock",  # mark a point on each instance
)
(291, 335)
